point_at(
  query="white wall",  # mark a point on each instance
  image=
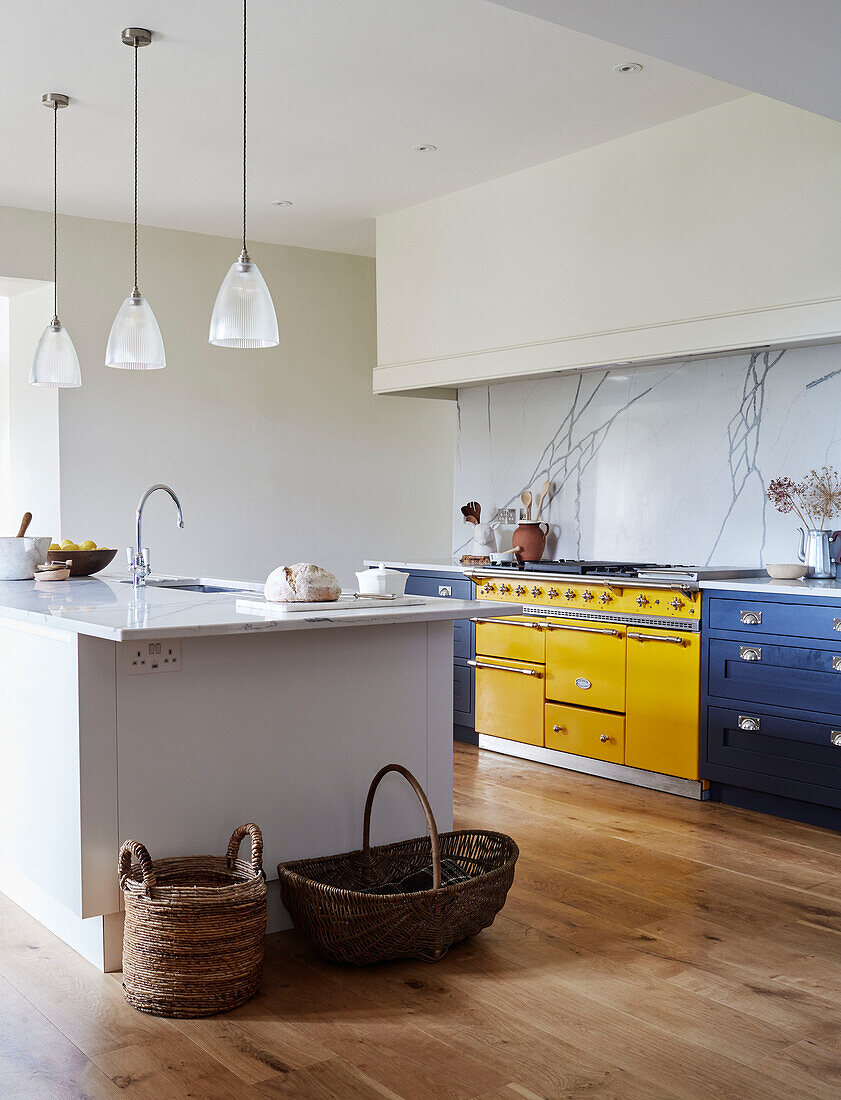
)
(278, 456)
(719, 230)
(667, 463)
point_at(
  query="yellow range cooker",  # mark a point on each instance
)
(593, 673)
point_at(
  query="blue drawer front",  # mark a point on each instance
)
(797, 754)
(463, 694)
(792, 676)
(797, 620)
(459, 588)
(463, 638)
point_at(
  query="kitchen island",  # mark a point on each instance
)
(169, 716)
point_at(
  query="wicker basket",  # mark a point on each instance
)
(366, 907)
(194, 929)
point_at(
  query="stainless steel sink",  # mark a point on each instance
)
(190, 586)
(201, 588)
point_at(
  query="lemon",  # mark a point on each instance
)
(88, 544)
(68, 545)
(53, 546)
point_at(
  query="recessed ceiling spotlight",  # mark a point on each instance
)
(426, 148)
(281, 202)
(628, 67)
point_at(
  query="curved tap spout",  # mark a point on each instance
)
(138, 558)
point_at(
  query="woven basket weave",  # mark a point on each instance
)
(194, 928)
(350, 908)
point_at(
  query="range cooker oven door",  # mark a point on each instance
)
(585, 663)
(661, 725)
(509, 699)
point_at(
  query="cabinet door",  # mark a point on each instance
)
(664, 682)
(585, 732)
(585, 664)
(509, 699)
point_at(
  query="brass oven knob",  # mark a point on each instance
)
(552, 593)
(488, 587)
(504, 589)
(642, 600)
(586, 595)
(536, 591)
(676, 604)
(605, 597)
(569, 594)
(519, 590)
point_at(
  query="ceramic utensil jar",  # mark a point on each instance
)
(529, 539)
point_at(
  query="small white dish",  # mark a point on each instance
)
(382, 581)
(786, 572)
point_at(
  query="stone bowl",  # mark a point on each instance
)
(786, 572)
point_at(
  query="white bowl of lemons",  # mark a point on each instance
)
(86, 557)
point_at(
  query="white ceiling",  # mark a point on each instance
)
(785, 49)
(339, 93)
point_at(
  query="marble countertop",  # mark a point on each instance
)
(433, 565)
(766, 586)
(104, 607)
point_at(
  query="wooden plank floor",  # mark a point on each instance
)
(651, 947)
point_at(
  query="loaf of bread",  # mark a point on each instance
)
(302, 583)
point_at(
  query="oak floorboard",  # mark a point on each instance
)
(652, 948)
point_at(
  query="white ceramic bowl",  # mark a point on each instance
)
(786, 572)
(382, 582)
(18, 557)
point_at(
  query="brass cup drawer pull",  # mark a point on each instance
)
(835, 738)
(836, 664)
(506, 668)
(749, 723)
(750, 618)
(583, 629)
(836, 625)
(750, 653)
(655, 638)
(506, 622)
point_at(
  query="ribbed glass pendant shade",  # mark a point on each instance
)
(55, 362)
(243, 314)
(135, 341)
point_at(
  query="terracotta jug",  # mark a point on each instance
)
(529, 539)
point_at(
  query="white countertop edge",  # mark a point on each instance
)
(766, 585)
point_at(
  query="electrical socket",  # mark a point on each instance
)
(154, 657)
(506, 515)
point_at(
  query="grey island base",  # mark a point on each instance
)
(169, 717)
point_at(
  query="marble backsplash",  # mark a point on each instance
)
(667, 463)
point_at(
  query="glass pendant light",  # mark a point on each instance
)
(243, 314)
(55, 363)
(135, 341)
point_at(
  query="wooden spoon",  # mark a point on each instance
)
(24, 523)
(548, 487)
(525, 497)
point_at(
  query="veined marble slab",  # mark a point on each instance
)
(766, 586)
(667, 463)
(107, 608)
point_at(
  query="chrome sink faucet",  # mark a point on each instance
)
(138, 555)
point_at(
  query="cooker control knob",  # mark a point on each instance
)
(504, 589)
(586, 595)
(569, 594)
(488, 587)
(536, 591)
(605, 597)
(519, 590)
(552, 593)
(642, 600)
(676, 604)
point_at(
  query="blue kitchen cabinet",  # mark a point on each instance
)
(771, 703)
(453, 585)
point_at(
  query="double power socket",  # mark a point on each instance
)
(149, 657)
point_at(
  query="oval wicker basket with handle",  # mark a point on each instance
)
(194, 928)
(412, 899)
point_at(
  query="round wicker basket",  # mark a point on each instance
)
(194, 928)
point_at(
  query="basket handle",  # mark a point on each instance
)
(237, 836)
(427, 809)
(138, 850)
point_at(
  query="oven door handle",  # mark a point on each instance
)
(507, 622)
(506, 668)
(583, 629)
(656, 638)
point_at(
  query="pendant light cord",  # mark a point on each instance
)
(244, 113)
(55, 213)
(136, 50)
